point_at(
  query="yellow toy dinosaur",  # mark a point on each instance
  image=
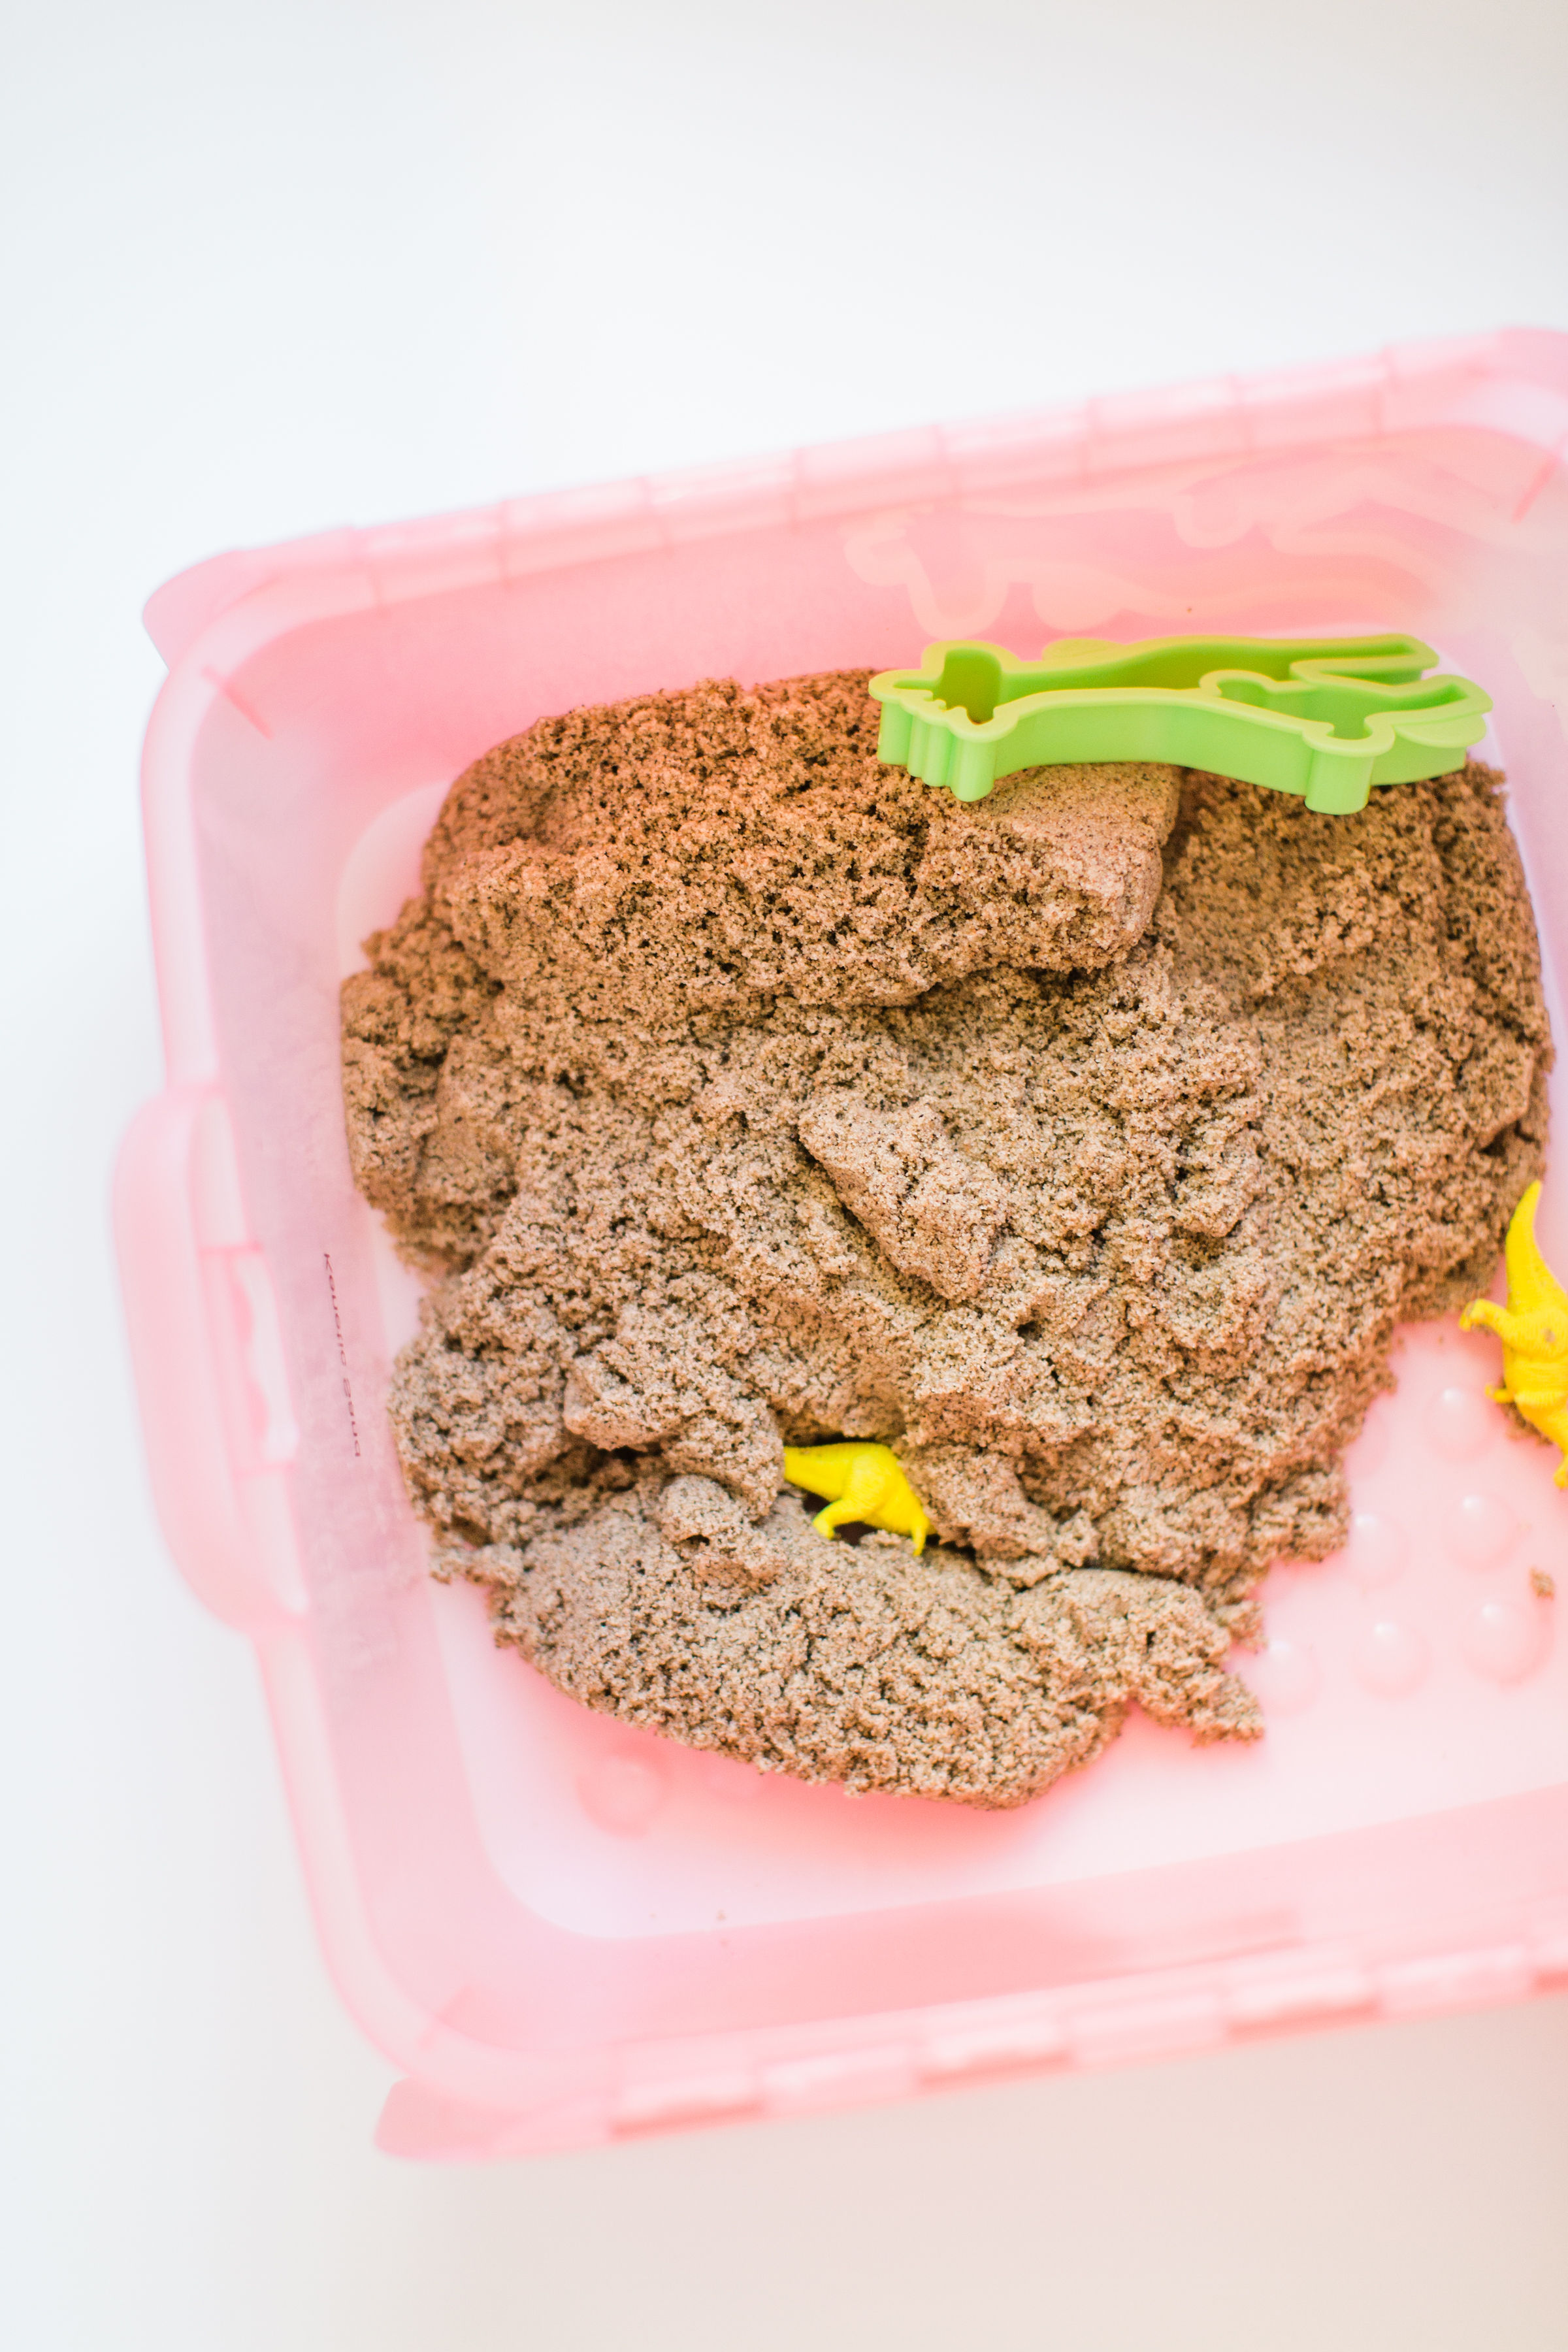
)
(1533, 1328)
(862, 1482)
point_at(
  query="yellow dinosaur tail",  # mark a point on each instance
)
(1530, 1282)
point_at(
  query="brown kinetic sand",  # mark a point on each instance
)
(745, 1091)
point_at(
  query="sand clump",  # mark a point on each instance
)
(1084, 1144)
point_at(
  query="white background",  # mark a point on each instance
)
(271, 267)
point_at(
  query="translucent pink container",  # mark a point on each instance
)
(561, 1930)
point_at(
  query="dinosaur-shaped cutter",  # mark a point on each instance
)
(1325, 718)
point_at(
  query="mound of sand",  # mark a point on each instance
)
(1085, 1144)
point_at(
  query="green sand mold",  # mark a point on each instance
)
(1324, 717)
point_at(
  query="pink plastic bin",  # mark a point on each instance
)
(561, 1930)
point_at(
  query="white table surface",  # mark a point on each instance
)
(269, 268)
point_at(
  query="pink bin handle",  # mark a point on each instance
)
(174, 1353)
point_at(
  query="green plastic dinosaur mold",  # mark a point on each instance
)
(1325, 718)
